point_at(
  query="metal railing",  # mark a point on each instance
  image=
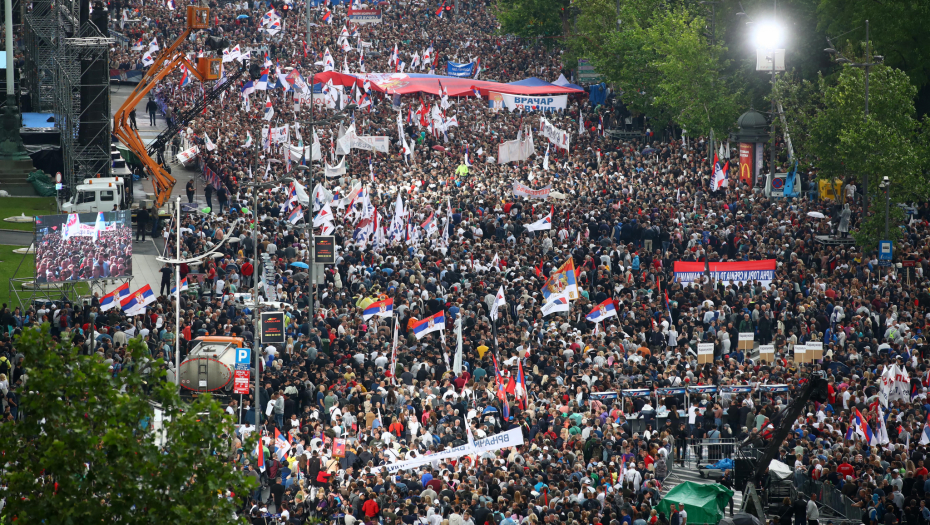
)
(707, 451)
(833, 503)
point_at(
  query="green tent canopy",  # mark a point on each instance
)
(705, 504)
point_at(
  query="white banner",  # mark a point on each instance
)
(351, 141)
(510, 438)
(895, 384)
(521, 190)
(554, 134)
(516, 150)
(279, 135)
(537, 103)
(337, 170)
(187, 157)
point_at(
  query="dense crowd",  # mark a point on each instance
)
(83, 257)
(623, 211)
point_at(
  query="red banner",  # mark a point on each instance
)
(745, 163)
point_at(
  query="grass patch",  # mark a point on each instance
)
(9, 261)
(28, 206)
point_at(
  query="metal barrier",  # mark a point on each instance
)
(709, 451)
(833, 504)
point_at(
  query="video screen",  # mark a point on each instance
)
(83, 246)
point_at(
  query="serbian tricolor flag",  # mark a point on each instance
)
(442, 7)
(328, 17)
(602, 311)
(433, 323)
(281, 446)
(183, 286)
(720, 175)
(261, 455)
(383, 308)
(112, 299)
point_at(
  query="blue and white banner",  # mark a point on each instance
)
(460, 70)
(736, 389)
(534, 103)
(637, 392)
(703, 389)
(773, 388)
(603, 396)
(671, 391)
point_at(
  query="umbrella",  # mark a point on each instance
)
(300, 265)
(240, 17)
(726, 521)
(301, 276)
(815, 214)
(647, 151)
(489, 410)
(742, 518)
(218, 255)
(439, 148)
(233, 240)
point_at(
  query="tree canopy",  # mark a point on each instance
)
(86, 453)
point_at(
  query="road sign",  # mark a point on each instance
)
(241, 382)
(885, 250)
(243, 358)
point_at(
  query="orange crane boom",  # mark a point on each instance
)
(166, 62)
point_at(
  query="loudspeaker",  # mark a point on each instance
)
(820, 392)
(254, 71)
(742, 468)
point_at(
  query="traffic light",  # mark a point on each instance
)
(284, 9)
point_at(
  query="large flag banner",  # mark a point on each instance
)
(516, 150)
(112, 299)
(351, 140)
(535, 103)
(460, 70)
(542, 224)
(383, 308)
(558, 302)
(738, 272)
(433, 323)
(602, 311)
(895, 385)
(522, 190)
(562, 280)
(510, 438)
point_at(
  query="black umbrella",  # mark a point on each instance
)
(725, 521)
(742, 518)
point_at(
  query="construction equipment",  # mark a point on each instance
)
(166, 62)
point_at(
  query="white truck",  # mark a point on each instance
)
(99, 194)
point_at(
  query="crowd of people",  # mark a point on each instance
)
(356, 395)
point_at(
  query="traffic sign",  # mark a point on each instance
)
(885, 250)
(243, 358)
(241, 382)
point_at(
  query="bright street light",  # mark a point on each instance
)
(768, 35)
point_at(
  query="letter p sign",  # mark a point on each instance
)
(243, 356)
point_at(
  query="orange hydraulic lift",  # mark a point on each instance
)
(166, 62)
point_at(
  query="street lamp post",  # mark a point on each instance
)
(309, 169)
(885, 186)
(866, 66)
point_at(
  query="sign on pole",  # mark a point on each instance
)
(705, 353)
(242, 373)
(273, 328)
(885, 250)
(325, 249)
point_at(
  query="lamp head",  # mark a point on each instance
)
(768, 35)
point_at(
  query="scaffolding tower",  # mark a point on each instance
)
(42, 29)
(82, 158)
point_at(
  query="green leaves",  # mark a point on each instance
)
(533, 18)
(96, 442)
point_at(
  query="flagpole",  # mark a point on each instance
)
(177, 305)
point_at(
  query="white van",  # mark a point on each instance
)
(97, 195)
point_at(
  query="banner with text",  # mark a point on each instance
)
(737, 272)
(511, 438)
(364, 16)
(535, 103)
(351, 141)
(556, 136)
(460, 70)
(521, 190)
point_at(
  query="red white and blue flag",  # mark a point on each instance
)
(296, 215)
(433, 323)
(383, 308)
(183, 286)
(281, 446)
(602, 311)
(112, 299)
(328, 17)
(858, 426)
(136, 302)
